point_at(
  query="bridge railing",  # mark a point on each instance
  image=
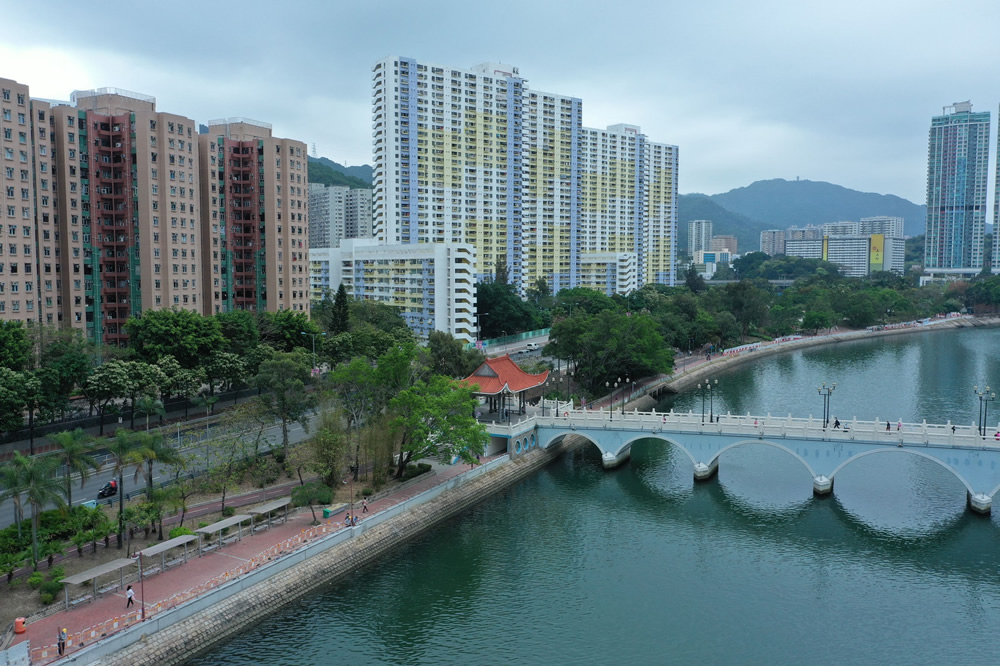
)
(897, 433)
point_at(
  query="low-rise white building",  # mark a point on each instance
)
(432, 284)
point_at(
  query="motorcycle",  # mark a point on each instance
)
(109, 489)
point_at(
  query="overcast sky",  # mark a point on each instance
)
(839, 91)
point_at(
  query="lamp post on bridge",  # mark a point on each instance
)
(624, 387)
(707, 388)
(826, 391)
(985, 398)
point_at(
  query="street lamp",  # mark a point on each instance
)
(607, 387)
(313, 335)
(624, 386)
(707, 389)
(985, 398)
(826, 392)
(479, 326)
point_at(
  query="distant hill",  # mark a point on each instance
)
(724, 222)
(781, 203)
(362, 174)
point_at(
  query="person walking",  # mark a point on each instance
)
(836, 423)
(364, 505)
(899, 425)
(130, 595)
(887, 426)
(63, 635)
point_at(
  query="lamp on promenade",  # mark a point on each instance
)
(826, 391)
(624, 387)
(607, 387)
(707, 389)
(985, 398)
(479, 326)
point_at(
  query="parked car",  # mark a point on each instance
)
(109, 489)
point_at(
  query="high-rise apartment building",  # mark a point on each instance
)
(957, 170)
(882, 224)
(857, 255)
(474, 156)
(337, 212)
(105, 195)
(843, 228)
(256, 192)
(809, 232)
(772, 242)
(724, 242)
(699, 236)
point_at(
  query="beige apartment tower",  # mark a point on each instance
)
(256, 191)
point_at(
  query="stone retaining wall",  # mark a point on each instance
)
(221, 621)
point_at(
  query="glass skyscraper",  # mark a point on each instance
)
(958, 154)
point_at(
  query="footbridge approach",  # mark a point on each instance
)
(974, 459)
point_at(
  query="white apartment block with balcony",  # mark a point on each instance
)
(609, 272)
(473, 156)
(857, 256)
(889, 226)
(433, 285)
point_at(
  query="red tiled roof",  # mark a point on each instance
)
(501, 374)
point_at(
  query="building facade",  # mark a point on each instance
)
(475, 157)
(772, 242)
(857, 256)
(699, 236)
(957, 172)
(724, 242)
(105, 196)
(337, 212)
(882, 224)
(433, 285)
(257, 218)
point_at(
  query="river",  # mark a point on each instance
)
(640, 564)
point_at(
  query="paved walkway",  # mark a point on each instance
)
(108, 613)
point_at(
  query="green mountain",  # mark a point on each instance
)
(724, 222)
(783, 203)
(357, 177)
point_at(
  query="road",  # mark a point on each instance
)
(272, 438)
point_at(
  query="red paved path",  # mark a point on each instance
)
(197, 570)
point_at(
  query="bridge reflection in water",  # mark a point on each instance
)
(823, 451)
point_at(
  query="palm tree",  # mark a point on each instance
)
(206, 401)
(74, 456)
(12, 480)
(149, 405)
(157, 450)
(41, 488)
(126, 447)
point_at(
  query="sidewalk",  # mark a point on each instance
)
(89, 621)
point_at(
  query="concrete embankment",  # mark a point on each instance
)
(688, 379)
(224, 619)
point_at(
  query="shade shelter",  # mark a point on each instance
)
(162, 548)
(92, 575)
(216, 528)
(501, 379)
(270, 507)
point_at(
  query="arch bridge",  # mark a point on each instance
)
(823, 451)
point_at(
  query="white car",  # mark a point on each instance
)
(532, 346)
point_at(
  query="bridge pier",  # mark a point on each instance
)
(610, 460)
(822, 486)
(979, 503)
(703, 472)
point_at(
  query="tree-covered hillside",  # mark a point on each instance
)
(320, 173)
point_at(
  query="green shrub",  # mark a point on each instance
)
(228, 512)
(413, 470)
(180, 531)
(202, 524)
(36, 579)
(47, 598)
(367, 492)
(57, 573)
(51, 587)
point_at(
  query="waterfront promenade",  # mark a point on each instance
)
(91, 620)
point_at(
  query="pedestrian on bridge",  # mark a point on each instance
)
(836, 423)
(887, 426)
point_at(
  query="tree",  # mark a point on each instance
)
(694, 281)
(747, 303)
(156, 450)
(12, 480)
(225, 369)
(15, 347)
(67, 355)
(283, 329)
(206, 401)
(506, 311)
(239, 331)
(144, 379)
(11, 562)
(357, 388)
(108, 383)
(436, 418)
(126, 449)
(341, 318)
(148, 405)
(181, 486)
(75, 456)
(813, 321)
(187, 336)
(284, 380)
(329, 449)
(186, 384)
(40, 489)
(310, 495)
(501, 275)
(11, 400)
(449, 357)
(226, 453)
